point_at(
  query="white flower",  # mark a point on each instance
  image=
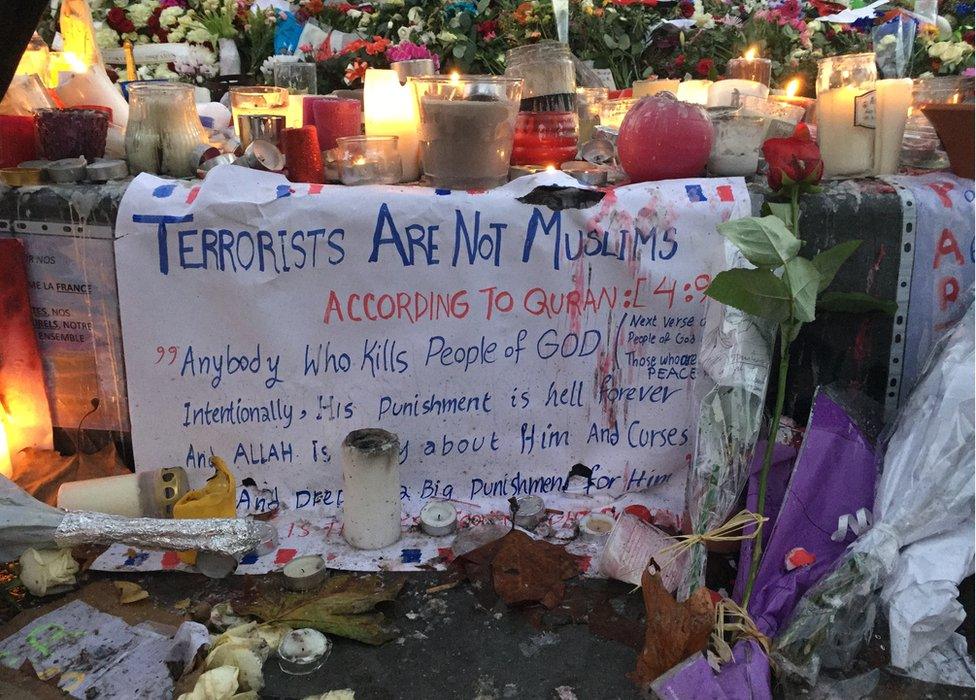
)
(354, 13)
(815, 26)
(446, 38)
(403, 33)
(170, 16)
(176, 35)
(107, 38)
(414, 14)
(702, 19)
(139, 13)
(199, 35)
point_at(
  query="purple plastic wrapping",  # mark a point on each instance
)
(745, 677)
(816, 496)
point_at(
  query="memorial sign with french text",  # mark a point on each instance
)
(504, 341)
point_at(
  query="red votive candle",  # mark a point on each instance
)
(303, 158)
(69, 133)
(18, 141)
(308, 114)
(544, 138)
(336, 117)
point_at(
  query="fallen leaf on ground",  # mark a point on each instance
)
(520, 569)
(342, 606)
(674, 630)
(130, 592)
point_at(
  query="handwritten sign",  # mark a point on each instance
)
(503, 341)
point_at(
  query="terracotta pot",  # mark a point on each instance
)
(954, 124)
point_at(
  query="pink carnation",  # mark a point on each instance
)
(408, 51)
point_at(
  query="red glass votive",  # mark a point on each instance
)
(308, 114)
(303, 157)
(545, 138)
(18, 141)
(336, 117)
(69, 133)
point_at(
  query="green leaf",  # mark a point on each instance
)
(828, 261)
(803, 281)
(458, 51)
(765, 242)
(608, 40)
(854, 303)
(623, 42)
(758, 292)
(782, 211)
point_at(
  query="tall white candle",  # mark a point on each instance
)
(371, 508)
(646, 88)
(389, 109)
(847, 149)
(893, 97)
(694, 91)
(723, 92)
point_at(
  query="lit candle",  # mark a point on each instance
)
(847, 148)
(727, 93)
(694, 91)
(6, 468)
(389, 109)
(646, 88)
(371, 488)
(893, 97)
(750, 67)
(790, 97)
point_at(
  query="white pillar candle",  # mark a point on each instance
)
(723, 93)
(144, 495)
(93, 87)
(389, 109)
(371, 508)
(893, 97)
(846, 148)
(694, 91)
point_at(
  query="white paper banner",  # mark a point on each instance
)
(503, 342)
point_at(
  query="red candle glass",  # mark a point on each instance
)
(303, 157)
(545, 138)
(17, 140)
(69, 133)
(336, 117)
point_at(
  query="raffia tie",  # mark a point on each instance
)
(731, 618)
(732, 530)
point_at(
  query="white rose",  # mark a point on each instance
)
(414, 14)
(139, 13)
(888, 40)
(198, 35)
(107, 38)
(446, 38)
(170, 16)
(354, 13)
(403, 33)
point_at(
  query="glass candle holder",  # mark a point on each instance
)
(652, 86)
(368, 160)
(750, 68)
(921, 147)
(547, 138)
(694, 91)
(298, 79)
(735, 148)
(612, 112)
(261, 127)
(335, 117)
(845, 114)
(781, 118)
(70, 133)
(257, 99)
(588, 101)
(164, 130)
(549, 76)
(467, 128)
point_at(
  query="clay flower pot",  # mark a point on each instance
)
(954, 125)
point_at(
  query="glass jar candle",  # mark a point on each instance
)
(17, 141)
(735, 148)
(921, 147)
(164, 130)
(257, 99)
(845, 114)
(368, 160)
(69, 133)
(612, 112)
(544, 138)
(334, 117)
(467, 128)
(694, 91)
(750, 67)
(303, 157)
(298, 79)
(548, 74)
(588, 100)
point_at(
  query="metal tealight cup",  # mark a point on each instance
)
(260, 127)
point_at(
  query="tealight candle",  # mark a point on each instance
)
(735, 150)
(750, 67)
(437, 518)
(789, 96)
(389, 109)
(304, 573)
(303, 651)
(729, 92)
(594, 527)
(368, 160)
(694, 91)
(530, 511)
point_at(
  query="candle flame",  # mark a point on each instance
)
(361, 160)
(455, 77)
(750, 54)
(550, 168)
(5, 467)
(793, 87)
(73, 62)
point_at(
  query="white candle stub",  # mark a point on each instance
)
(594, 527)
(304, 573)
(531, 511)
(303, 651)
(437, 518)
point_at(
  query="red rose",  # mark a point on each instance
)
(704, 67)
(119, 21)
(969, 37)
(687, 9)
(679, 61)
(793, 160)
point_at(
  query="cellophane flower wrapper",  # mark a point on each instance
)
(734, 359)
(926, 488)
